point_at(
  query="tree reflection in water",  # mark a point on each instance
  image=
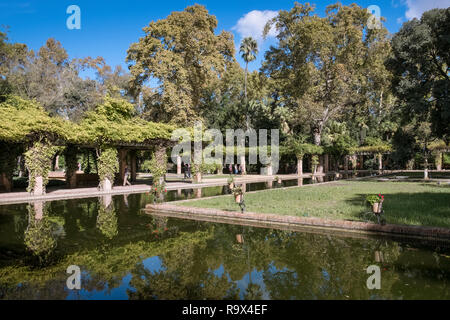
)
(201, 260)
(106, 218)
(39, 236)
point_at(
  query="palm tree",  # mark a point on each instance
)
(249, 50)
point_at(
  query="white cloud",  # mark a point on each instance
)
(417, 7)
(252, 24)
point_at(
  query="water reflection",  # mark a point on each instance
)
(106, 218)
(140, 256)
(39, 236)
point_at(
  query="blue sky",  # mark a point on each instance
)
(109, 27)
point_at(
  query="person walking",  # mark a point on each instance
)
(185, 170)
(126, 177)
(189, 170)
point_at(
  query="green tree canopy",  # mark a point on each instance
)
(186, 57)
(324, 67)
(421, 62)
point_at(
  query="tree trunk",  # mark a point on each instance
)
(198, 177)
(245, 82)
(317, 142)
(122, 164)
(380, 163)
(133, 165)
(6, 182)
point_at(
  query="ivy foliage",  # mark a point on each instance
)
(114, 121)
(296, 146)
(24, 120)
(38, 160)
(108, 164)
(71, 161)
(374, 145)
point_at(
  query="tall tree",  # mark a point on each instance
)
(185, 57)
(421, 64)
(323, 67)
(249, 51)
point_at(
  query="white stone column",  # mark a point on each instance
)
(38, 186)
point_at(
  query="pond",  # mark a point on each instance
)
(184, 194)
(124, 253)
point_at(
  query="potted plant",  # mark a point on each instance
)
(376, 202)
(238, 194)
(231, 182)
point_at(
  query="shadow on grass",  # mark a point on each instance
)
(420, 209)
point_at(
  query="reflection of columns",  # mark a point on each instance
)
(198, 193)
(179, 193)
(133, 165)
(38, 207)
(325, 163)
(379, 257)
(178, 165)
(300, 182)
(106, 200)
(269, 184)
(122, 164)
(300, 166)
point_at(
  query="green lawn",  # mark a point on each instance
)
(405, 202)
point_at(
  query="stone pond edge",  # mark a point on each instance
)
(273, 219)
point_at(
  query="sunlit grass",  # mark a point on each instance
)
(405, 202)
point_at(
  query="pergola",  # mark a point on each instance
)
(25, 126)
